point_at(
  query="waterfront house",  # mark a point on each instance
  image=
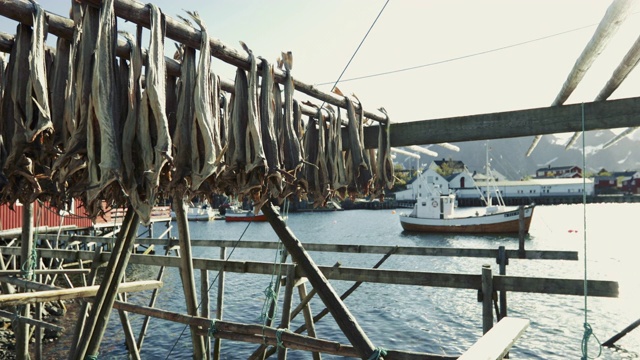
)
(559, 172)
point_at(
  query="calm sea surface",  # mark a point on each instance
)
(435, 320)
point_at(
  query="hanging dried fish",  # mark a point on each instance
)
(335, 159)
(70, 170)
(385, 163)
(267, 123)
(355, 158)
(155, 96)
(103, 143)
(184, 121)
(38, 113)
(321, 180)
(256, 162)
(204, 137)
(18, 167)
(3, 119)
(365, 177)
(292, 149)
(308, 173)
(58, 91)
(234, 175)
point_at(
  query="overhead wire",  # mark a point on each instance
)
(456, 58)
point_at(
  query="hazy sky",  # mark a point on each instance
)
(485, 56)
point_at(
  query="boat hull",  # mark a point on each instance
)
(499, 223)
(244, 217)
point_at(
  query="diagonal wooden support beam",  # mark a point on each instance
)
(345, 320)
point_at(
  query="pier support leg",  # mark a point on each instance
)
(308, 318)
(487, 301)
(97, 322)
(217, 343)
(187, 272)
(23, 331)
(205, 305)
(521, 232)
(502, 261)
(286, 308)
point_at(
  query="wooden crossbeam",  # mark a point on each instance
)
(79, 292)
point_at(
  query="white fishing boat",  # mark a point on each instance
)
(199, 213)
(436, 211)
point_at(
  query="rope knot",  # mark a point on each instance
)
(377, 353)
(212, 328)
(588, 333)
(279, 337)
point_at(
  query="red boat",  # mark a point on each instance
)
(235, 214)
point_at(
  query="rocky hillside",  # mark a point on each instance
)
(508, 155)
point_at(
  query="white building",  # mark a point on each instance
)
(465, 187)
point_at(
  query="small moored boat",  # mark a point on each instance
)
(438, 214)
(236, 214)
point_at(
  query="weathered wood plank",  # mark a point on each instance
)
(421, 278)
(348, 248)
(497, 342)
(79, 292)
(599, 115)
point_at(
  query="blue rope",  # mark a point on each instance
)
(377, 353)
(279, 337)
(91, 357)
(588, 333)
(212, 328)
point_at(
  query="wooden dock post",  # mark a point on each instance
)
(502, 261)
(22, 331)
(286, 308)
(217, 343)
(340, 312)
(308, 317)
(186, 270)
(487, 294)
(521, 232)
(205, 306)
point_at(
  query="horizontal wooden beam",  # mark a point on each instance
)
(401, 277)
(598, 115)
(11, 316)
(344, 248)
(74, 293)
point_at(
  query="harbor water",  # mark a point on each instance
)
(424, 319)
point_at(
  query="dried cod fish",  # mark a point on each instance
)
(70, 170)
(256, 162)
(385, 178)
(38, 113)
(321, 174)
(355, 158)
(365, 177)
(204, 137)
(103, 143)
(184, 121)
(335, 158)
(58, 91)
(268, 125)
(292, 150)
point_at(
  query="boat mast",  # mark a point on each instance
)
(486, 168)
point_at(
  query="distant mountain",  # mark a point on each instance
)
(508, 155)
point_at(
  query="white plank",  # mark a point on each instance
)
(497, 342)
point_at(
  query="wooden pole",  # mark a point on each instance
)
(217, 343)
(308, 318)
(82, 315)
(24, 311)
(112, 272)
(186, 270)
(621, 334)
(502, 261)
(521, 233)
(205, 304)
(487, 292)
(152, 303)
(340, 312)
(130, 340)
(11, 316)
(74, 293)
(286, 308)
